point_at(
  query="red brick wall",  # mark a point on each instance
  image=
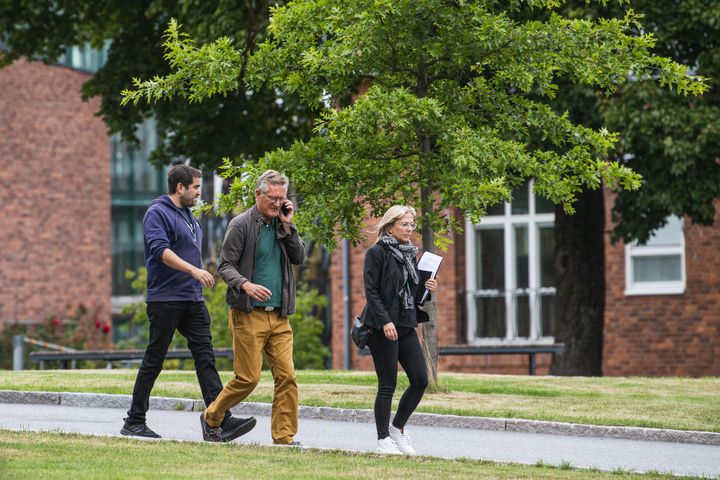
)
(55, 217)
(451, 322)
(656, 335)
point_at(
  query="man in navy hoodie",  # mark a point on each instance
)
(175, 281)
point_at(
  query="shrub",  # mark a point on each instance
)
(79, 327)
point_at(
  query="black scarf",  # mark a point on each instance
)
(405, 254)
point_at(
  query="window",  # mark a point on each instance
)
(134, 184)
(84, 57)
(658, 266)
(510, 272)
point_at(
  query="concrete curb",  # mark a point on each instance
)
(102, 400)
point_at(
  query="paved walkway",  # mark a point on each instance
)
(442, 441)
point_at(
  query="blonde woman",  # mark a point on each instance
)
(391, 287)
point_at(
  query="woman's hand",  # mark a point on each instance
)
(390, 331)
(431, 284)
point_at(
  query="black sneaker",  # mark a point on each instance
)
(210, 434)
(138, 430)
(233, 427)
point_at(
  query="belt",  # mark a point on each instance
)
(266, 309)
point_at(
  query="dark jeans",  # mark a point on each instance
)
(386, 354)
(192, 320)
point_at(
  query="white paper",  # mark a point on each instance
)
(429, 262)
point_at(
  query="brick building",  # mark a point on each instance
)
(669, 327)
(662, 312)
(55, 218)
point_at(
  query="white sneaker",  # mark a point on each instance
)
(387, 445)
(402, 441)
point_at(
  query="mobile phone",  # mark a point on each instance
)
(284, 209)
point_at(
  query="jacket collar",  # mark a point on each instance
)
(256, 215)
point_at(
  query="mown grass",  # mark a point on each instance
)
(675, 403)
(28, 455)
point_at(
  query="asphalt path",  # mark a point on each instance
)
(584, 452)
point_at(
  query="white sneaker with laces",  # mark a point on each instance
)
(387, 445)
(402, 441)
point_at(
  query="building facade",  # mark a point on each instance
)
(54, 157)
(662, 307)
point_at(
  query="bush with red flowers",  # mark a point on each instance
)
(80, 327)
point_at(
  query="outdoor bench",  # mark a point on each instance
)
(530, 349)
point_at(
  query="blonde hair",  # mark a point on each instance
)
(393, 214)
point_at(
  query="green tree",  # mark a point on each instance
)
(673, 141)
(456, 114)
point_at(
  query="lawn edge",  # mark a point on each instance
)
(104, 400)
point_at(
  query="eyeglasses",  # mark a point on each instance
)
(411, 226)
(275, 199)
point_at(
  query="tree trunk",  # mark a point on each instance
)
(429, 329)
(580, 268)
(430, 345)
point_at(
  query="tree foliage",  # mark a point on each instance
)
(241, 123)
(457, 104)
(673, 141)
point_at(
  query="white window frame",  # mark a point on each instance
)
(674, 287)
(508, 222)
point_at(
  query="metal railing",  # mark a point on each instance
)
(123, 356)
(19, 342)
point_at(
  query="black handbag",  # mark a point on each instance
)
(360, 333)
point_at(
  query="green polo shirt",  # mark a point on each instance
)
(268, 269)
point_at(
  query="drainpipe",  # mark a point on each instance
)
(347, 314)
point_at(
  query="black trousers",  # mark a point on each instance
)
(192, 320)
(386, 354)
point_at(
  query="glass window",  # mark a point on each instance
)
(490, 278)
(511, 277)
(491, 317)
(127, 246)
(547, 256)
(658, 266)
(520, 200)
(543, 205)
(490, 272)
(135, 183)
(84, 57)
(497, 209)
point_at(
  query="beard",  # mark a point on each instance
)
(188, 201)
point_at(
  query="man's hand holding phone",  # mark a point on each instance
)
(287, 210)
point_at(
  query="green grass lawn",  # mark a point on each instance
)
(27, 455)
(675, 403)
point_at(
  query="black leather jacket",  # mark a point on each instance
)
(383, 281)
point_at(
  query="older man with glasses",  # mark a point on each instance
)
(260, 246)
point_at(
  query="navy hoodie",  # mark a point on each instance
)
(167, 226)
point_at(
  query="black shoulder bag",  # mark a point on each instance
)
(359, 332)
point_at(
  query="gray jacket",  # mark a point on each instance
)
(237, 259)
